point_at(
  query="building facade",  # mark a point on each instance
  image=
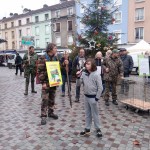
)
(63, 23)
(139, 21)
(41, 29)
(120, 23)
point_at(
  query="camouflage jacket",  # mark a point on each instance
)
(115, 68)
(30, 66)
(41, 68)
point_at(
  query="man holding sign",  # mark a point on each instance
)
(48, 92)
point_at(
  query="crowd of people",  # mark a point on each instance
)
(98, 76)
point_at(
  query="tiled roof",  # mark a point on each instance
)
(51, 8)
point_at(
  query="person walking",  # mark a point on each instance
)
(18, 63)
(48, 93)
(113, 68)
(92, 92)
(66, 61)
(128, 66)
(78, 64)
(29, 61)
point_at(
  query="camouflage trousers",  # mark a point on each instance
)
(48, 101)
(113, 85)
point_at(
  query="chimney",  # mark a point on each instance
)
(62, 1)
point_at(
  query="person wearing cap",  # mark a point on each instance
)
(113, 68)
(29, 63)
(66, 62)
(48, 93)
(128, 66)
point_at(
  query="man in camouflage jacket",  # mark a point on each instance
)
(113, 68)
(30, 69)
(48, 93)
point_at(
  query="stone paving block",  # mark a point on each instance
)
(20, 124)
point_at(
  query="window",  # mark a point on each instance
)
(139, 33)
(20, 33)
(69, 25)
(118, 36)
(36, 30)
(13, 45)
(46, 41)
(58, 41)
(82, 8)
(5, 25)
(36, 18)
(57, 27)
(37, 42)
(139, 14)
(70, 40)
(12, 34)
(27, 20)
(70, 11)
(57, 13)
(6, 35)
(117, 2)
(117, 17)
(46, 16)
(19, 22)
(47, 29)
(12, 24)
(6, 45)
(139, 0)
(28, 31)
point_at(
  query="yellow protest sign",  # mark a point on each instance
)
(54, 73)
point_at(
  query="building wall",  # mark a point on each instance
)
(41, 24)
(23, 29)
(123, 26)
(134, 24)
(63, 20)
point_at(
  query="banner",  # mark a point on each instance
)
(54, 73)
(28, 40)
(144, 68)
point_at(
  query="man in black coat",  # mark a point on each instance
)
(128, 66)
(18, 63)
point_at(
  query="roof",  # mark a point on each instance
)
(51, 8)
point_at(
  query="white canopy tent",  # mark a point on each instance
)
(142, 46)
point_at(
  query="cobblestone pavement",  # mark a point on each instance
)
(20, 127)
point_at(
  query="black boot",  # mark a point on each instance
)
(32, 87)
(106, 102)
(43, 121)
(52, 115)
(77, 100)
(115, 102)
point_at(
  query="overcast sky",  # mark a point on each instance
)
(15, 6)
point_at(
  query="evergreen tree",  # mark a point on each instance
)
(97, 17)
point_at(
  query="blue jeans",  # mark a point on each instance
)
(64, 80)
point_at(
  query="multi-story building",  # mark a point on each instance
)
(63, 23)
(139, 21)
(41, 29)
(120, 24)
(13, 28)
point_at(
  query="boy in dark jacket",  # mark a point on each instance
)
(66, 63)
(18, 63)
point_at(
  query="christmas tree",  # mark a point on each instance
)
(96, 18)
